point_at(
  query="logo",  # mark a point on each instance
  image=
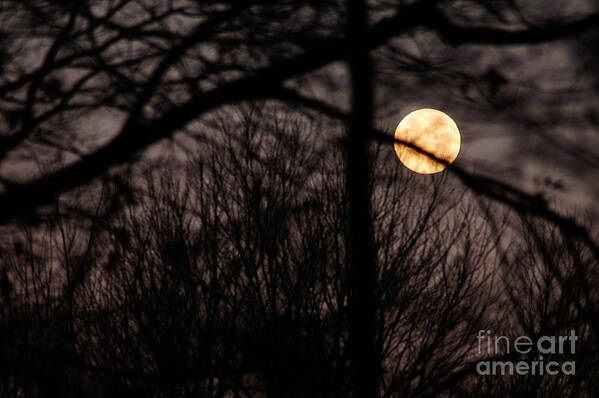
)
(550, 346)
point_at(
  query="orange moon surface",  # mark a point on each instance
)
(432, 131)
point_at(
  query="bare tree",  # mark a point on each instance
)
(230, 276)
(220, 253)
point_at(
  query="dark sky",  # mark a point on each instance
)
(268, 245)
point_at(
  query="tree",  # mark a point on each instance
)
(230, 276)
(138, 72)
(157, 67)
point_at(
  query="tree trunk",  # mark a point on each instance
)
(361, 248)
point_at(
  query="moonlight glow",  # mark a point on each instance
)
(434, 133)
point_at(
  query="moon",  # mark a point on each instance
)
(432, 131)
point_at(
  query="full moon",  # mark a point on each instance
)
(433, 132)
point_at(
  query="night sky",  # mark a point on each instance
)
(203, 199)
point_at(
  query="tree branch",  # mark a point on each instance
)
(462, 35)
(137, 135)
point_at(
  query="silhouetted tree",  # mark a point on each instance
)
(291, 257)
(230, 275)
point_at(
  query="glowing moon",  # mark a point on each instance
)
(434, 133)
